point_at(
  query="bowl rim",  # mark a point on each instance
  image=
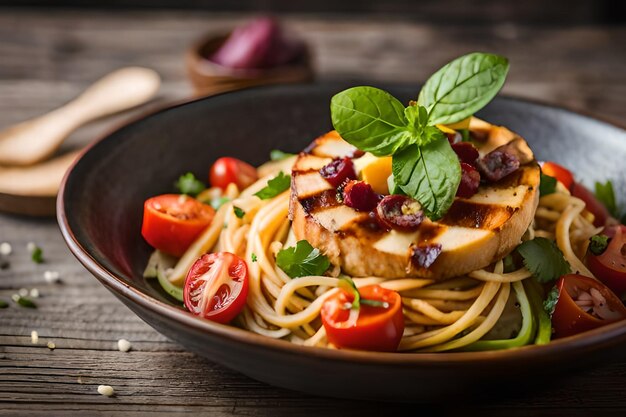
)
(597, 339)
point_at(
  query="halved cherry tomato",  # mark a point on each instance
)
(171, 222)
(610, 266)
(216, 287)
(376, 328)
(562, 174)
(584, 304)
(600, 213)
(228, 170)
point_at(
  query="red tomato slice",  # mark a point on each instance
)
(610, 266)
(171, 222)
(376, 328)
(600, 213)
(216, 287)
(562, 174)
(584, 304)
(228, 170)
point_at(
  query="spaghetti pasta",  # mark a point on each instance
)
(439, 316)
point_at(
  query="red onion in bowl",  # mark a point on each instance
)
(260, 43)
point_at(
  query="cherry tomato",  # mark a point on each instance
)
(584, 304)
(216, 287)
(562, 174)
(600, 213)
(171, 222)
(610, 266)
(376, 328)
(228, 170)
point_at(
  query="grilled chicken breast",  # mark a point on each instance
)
(474, 233)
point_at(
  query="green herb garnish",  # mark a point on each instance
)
(36, 254)
(218, 202)
(550, 302)
(278, 155)
(239, 212)
(606, 195)
(253, 257)
(24, 302)
(462, 87)
(274, 186)
(598, 244)
(424, 165)
(188, 184)
(543, 259)
(547, 185)
(302, 260)
(3, 304)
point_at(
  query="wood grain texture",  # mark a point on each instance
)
(48, 57)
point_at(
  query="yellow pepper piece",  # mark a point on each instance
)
(463, 124)
(376, 174)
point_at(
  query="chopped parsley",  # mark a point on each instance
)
(543, 259)
(3, 304)
(598, 244)
(239, 212)
(188, 184)
(23, 301)
(274, 186)
(547, 185)
(302, 260)
(253, 257)
(36, 254)
(550, 302)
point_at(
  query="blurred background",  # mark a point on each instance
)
(568, 52)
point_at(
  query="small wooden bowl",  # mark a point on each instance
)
(210, 78)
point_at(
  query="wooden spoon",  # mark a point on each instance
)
(34, 140)
(32, 190)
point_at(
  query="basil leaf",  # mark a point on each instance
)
(370, 119)
(189, 184)
(463, 86)
(606, 195)
(422, 133)
(274, 186)
(278, 155)
(547, 185)
(543, 259)
(430, 174)
(302, 260)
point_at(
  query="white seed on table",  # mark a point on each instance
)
(105, 390)
(51, 276)
(23, 292)
(34, 337)
(5, 248)
(51, 345)
(15, 297)
(123, 345)
(31, 246)
(34, 293)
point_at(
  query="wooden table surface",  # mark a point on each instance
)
(47, 57)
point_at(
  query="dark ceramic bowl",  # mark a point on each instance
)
(100, 210)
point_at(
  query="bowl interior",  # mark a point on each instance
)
(104, 194)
